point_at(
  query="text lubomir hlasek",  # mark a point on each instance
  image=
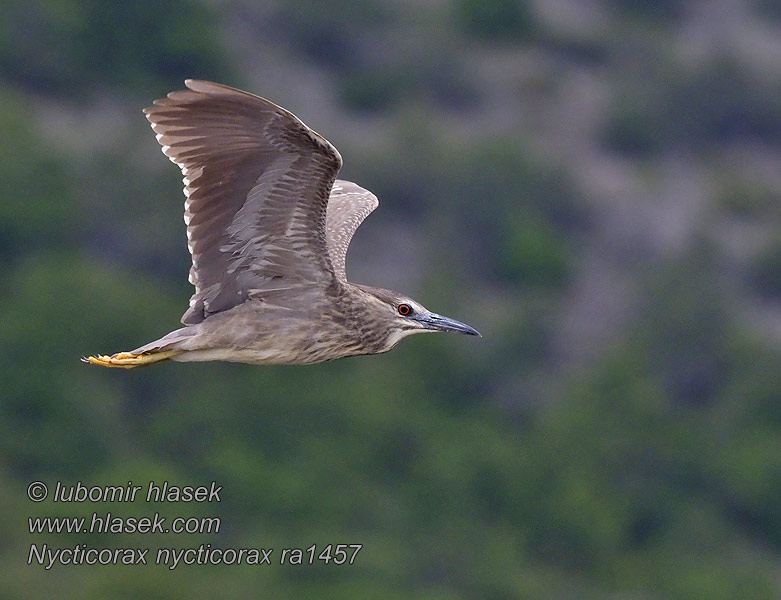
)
(162, 492)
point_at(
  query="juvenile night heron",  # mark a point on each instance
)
(268, 226)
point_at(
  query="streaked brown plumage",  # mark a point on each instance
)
(268, 227)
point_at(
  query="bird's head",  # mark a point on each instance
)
(403, 316)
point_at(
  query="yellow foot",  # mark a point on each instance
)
(128, 360)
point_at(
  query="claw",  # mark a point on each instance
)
(128, 360)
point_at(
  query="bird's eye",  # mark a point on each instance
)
(404, 310)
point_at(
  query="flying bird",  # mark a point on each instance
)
(268, 227)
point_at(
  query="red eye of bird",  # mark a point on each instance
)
(404, 309)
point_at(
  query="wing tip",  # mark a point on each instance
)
(194, 84)
(201, 86)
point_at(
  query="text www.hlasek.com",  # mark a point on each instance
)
(108, 523)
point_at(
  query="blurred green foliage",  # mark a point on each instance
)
(766, 270)
(38, 210)
(717, 101)
(508, 20)
(649, 10)
(65, 47)
(331, 32)
(493, 468)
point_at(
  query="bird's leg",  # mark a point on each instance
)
(128, 360)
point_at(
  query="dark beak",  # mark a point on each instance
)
(437, 322)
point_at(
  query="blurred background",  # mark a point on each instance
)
(595, 185)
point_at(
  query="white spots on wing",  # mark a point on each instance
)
(260, 199)
(297, 215)
(187, 219)
(348, 205)
(190, 244)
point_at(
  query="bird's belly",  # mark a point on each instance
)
(266, 347)
(256, 356)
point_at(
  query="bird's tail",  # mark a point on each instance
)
(130, 360)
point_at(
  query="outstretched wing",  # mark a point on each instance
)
(257, 182)
(348, 206)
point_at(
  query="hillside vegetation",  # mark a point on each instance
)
(595, 186)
